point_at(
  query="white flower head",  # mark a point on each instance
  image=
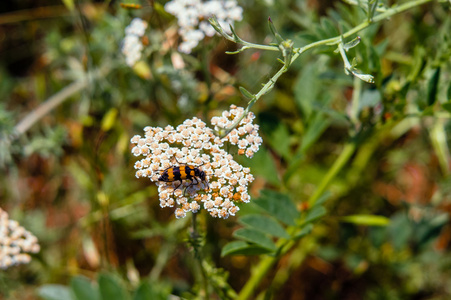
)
(15, 243)
(131, 44)
(199, 174)
(192, 16)
(137, 27)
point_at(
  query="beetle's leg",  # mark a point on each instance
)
(191, 184)
(177, 160)
(173, 192)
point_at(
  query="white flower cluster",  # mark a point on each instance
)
(194, 144)
(193, 17)
(15, 241)
(132, 45)
(245, 136)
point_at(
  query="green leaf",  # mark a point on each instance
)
(352, 43)
(158, 8)
(329, 29)
(323, 198)
(368, 220)
(318, 124)
(110, 288)
(83, 289)
(69, 4)
(433, 86)
(304, 231)
(246, 93)
(307, 88)
(274, 31)
(272, 28)
(314, 214)
(400, 230)
(428, 230)
(263, 165)
(148, 291)
(447, 106)
(264, 224)
(243, 248)
(373, 7)
(54, 292)
(109, 119)
(279, 206)
(280, 141)
(232, 29)
(255, 236)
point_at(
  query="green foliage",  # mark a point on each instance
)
(83, 289)
(54, 292)
(352, 189)
(108, 287)
(278, 205)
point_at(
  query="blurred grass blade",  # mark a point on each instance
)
(69, 4)
(368, 220)
(433, 86)
(109, 119)
(440, 144)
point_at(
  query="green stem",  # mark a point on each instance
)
(284, 245)
(437, 135)
(204, 294)
(355, 104)
(339, 163)
(266, 88)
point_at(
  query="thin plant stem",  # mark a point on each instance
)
(355, 104)
(338, 165)
(34, 116)
(51, 103)
(204, 293)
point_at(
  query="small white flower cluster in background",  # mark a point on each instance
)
(245, 136)
(15, 242)
(193, 17)
(194, 144)
(132, 45)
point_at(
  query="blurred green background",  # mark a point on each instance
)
(70, 180)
